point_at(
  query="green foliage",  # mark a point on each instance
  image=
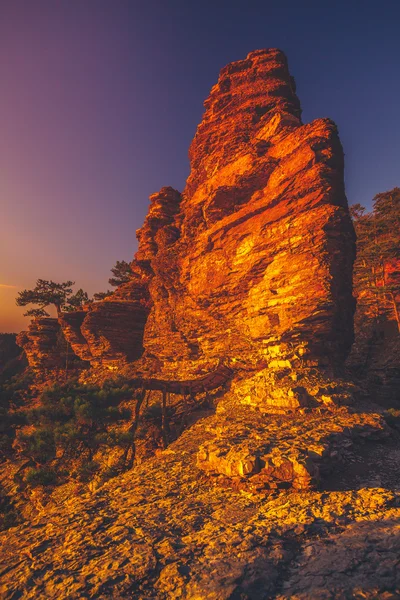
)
(377, 267)
(46, 293)
(17, 389)
(39, 445)
(41, 477)
(76, 419)
(36, 313)
(76, 302)
(13, 394)
(101, 295)
(122, 273)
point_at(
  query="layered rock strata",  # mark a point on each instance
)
(70, 323)
(261, 267)
(113, 328)
(110, 332)
(253, 263)
(44, 344)
(251, 268)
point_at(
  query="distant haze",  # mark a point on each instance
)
(100, 100)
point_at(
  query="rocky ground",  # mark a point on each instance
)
(170, 529)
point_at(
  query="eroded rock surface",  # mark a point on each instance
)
(43, 343)
(113, 328)
(169, 530)
(70, 323)
(253, 263)
(250, 268)
(262, 267)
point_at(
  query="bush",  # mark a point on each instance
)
(76, 419)
(38, 445)
(42, 476)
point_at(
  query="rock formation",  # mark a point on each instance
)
(113, 328)
(242, 285)
(253, 264)
(42, 344)
(262, 268)
(70, 323)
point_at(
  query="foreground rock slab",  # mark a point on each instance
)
(170, 530)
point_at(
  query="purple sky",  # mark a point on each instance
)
(100, 99)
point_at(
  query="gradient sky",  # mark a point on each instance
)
(99, 101)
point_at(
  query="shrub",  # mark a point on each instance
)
(77, 419)
(41, 476)
(38, 445)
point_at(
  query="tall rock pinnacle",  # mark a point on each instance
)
(262, 268)
(252, 264)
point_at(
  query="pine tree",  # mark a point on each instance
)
(377, 267)
(76, 302)
(45, 293)
(122, 273)
(101, 295)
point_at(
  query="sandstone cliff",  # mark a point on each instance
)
(253, 264)
(262, 267)
(43, 346)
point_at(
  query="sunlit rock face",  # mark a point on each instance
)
(113, 328)
(111, 332)
(252, 264)
(260, 267)
(43, 343)
(70, 323)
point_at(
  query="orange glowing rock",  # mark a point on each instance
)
(261, 267)
(253, 263)
(41, 344)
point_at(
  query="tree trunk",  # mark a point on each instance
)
(395, 310)
(164, 419)
(132, 432)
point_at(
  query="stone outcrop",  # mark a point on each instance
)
(70, 323)
(110, 332)
(238, 314)
(253, 263)
(261, 268)
(43, 344)
(113, 328)
(279, 451)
